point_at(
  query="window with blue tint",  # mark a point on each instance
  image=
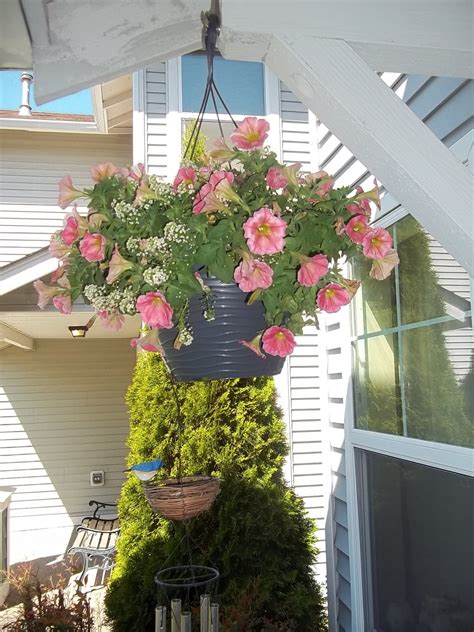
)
(239, 82)
(10, 97)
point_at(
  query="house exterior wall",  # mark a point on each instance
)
(31, 165)
(62, 415)
(445, 105)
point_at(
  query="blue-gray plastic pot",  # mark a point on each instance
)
(216, 353)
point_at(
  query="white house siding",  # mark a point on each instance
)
(304, 418)
(31, 165)
(295, 130)
(62, 415)
(445, 105)
(156, 120)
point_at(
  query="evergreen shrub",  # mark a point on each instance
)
(257, 532)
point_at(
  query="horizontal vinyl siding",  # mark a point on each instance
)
(156, 120)
(295, 130)
(337, 369)
(443, 104)
(62, 415)
(31, 165)
(305, 425)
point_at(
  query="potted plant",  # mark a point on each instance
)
(242, 225)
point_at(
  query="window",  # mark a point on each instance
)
(419, 554)
(414, 345)
(241, 84)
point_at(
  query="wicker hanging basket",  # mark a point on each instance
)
(182, 499)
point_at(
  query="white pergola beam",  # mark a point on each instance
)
(433, 37)
(80, 44)
(10, 336)
(382, 132)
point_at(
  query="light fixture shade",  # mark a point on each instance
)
(78, 331)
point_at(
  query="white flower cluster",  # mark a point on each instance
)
(185, 336)
(121, 300)
(178, 233)
(133, 245)
(129, 213)
(160, 187)
(155, 247)
(155, 276)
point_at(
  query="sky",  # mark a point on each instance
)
(10, 97)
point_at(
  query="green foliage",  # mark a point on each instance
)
(257, 533)
(200, 155)
(157, 234)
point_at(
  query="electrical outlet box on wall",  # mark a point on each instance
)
(97, 478)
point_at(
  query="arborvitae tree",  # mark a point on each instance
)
(257, 532)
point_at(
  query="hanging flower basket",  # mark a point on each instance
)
(220, 339)
(272, 233)
(182, 499)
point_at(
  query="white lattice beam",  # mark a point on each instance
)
(432, 37)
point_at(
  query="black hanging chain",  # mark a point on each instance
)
(211, 90)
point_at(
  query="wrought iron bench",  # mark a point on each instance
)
(96, 538)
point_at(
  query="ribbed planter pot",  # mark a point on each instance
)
(216, 353)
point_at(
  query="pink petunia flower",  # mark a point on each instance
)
(278, 341)
(199, 205)
(220, 179)
(57, 274)
(46, 292)
(254, 345)
(103, 171)
(155, 310)
(251, 133)
(185, 175)
(74, 226)
(381, 268)
(222, 151)
(70, 231)
(117, 265)
(357, 228)
(252, 275)
(92, 246)
(265, 232)
(57, 247)
(376, 243)
(137, 171)
(62, 302)
(324, 187)
(111, 320)
(148, 342)
(313, 177)
(68, 192)
(312, 269)
(332, 297)
(276, 179)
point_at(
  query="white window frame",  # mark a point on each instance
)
(452, 458)
(271, 90)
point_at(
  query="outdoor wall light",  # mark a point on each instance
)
(80, 331)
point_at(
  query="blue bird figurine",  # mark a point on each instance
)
(146, 471)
